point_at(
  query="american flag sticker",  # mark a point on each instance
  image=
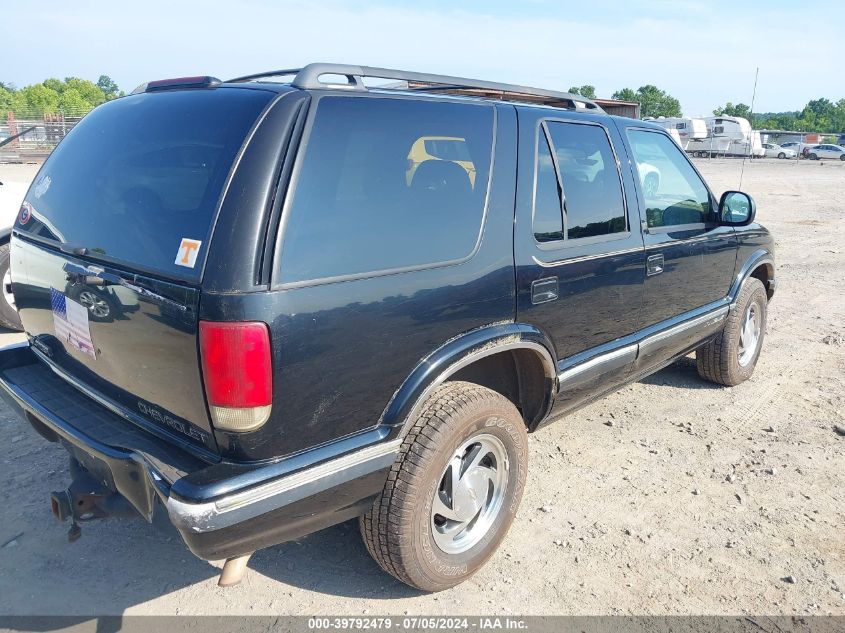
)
(71, 322)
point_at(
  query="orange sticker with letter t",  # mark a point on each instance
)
(188, 251)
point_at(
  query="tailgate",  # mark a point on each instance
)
(129, 339)
(110, 243)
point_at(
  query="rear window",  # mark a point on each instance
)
(387, 184)
(139, 179)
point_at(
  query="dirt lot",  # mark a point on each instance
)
(672, 496)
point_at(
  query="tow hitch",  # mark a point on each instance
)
(87, 499)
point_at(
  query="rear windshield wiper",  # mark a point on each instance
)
(97, 271)
(111, 278)
(66, 247)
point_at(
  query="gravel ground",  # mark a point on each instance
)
(672, 496)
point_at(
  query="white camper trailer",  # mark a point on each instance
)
(676, 137)
(687, 129)
(728, 136)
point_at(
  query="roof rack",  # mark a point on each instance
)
(309, 77)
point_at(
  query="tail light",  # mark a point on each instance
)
(237, 372)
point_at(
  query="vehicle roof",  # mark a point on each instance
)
(280, 87)
(394, 92)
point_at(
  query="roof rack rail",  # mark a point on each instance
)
(269, 73)
(309, 77)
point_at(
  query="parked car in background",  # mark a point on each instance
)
(290, 334)
(834, 152)
(774, 150)
(649, 177)
(796, 147)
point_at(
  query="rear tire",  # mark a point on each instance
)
(8, 314)
(464, 429)
(842, 157)
(730, 358)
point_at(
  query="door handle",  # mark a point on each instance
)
(544, 290)
(654, 265)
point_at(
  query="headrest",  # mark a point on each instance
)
(441, 176)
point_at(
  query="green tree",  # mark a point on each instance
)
(729, 109)
(108, 86)
(6, 97)
(39, 99)
(72, 95)
(88, 90)
(10, 101)
(626, 94)
(821, 115)
(585, 91)
(820, 107)
(54, 84)
(653, 101)
(72, 103)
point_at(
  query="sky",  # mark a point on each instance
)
(703, 53)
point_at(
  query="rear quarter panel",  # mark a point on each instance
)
(342, 349)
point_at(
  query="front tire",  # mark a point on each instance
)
(8, 313)
(453, 491)
(781, 155)
(730, 358)
(814, 157)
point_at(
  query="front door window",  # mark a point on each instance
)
(674, 194)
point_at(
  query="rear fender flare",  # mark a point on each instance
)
(460, 352)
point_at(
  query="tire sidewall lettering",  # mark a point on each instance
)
(451, 565)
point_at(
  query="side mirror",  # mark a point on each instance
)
(736, 209)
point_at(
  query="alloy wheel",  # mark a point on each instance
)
(470, 494)
(749, 334)
(96, 305)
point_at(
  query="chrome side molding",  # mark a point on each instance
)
(627, 354)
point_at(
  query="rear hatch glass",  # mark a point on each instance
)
(105, 286)
(138, 180)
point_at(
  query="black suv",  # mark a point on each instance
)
(318, 300)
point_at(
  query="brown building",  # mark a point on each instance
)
(630, 109)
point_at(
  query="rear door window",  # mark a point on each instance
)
(587, 201)
(139, 179)
(387, 184)
(548, 215)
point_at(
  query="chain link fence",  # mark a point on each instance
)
(30, 135)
